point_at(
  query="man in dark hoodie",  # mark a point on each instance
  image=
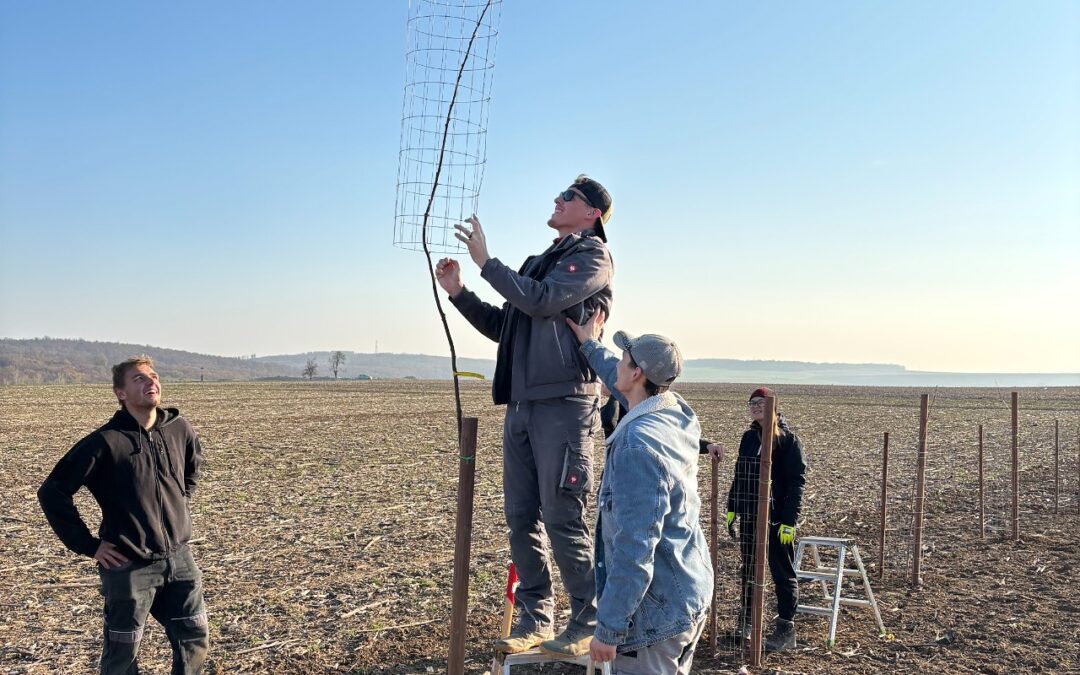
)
(141, 467)
(552, 399)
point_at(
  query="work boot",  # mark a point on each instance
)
(522, 638)
(783, 636)
(568, 643)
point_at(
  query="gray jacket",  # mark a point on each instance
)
(538, 354)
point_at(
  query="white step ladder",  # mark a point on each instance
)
(835, 575)
(502, 662)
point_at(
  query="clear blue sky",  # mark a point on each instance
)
(842, 181)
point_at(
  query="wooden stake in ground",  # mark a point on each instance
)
(884, 506)
(714, 528)
(466, 426)
(462, 542)
(1015, 469)
(761, 531)
(1057, 478)
(920, 494)
(982, 494)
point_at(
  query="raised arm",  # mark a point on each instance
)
(580, 275)
(574, 279)
(484, 317)
(601, 360)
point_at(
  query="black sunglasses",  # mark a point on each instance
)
(568, 196)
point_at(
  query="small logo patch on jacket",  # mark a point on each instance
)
(571, 267)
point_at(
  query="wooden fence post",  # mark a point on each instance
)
(714, 530)
(884, 506)
(1057, 479)
(920, 493)
(462, 543)
(982, 492)
(761, 531)
(1015, 469)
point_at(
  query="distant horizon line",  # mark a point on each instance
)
(248, 357)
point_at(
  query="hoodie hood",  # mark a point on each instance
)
(123, 420)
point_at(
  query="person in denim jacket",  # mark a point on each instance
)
(653, 575)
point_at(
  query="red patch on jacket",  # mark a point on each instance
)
(571, 267)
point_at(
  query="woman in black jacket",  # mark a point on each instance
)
(788, 479)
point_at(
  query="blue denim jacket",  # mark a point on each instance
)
(653, 575)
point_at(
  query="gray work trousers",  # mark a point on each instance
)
(672, 656)
(171, 591)
(547, 478)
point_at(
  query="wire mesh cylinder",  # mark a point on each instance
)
(449, 66)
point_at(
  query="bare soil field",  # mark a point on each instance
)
(324, 528)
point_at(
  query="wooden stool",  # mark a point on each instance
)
(502, 662)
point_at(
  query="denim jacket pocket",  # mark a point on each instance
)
(603, 500)
(655, 598)
(577, 467)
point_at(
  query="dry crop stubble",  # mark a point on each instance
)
(324, 527)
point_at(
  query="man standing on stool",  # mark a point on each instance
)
(141, 467)
(552, 399)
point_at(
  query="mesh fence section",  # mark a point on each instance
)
(842, 432)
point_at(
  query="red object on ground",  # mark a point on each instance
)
(511, 581)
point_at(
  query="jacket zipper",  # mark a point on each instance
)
(555, 328)
(157, 489)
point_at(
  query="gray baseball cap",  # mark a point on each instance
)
(657, 356)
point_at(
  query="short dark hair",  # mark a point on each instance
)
(120, 370)
(651, 388)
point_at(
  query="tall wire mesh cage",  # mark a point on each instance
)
(449, 70)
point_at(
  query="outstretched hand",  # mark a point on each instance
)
(474, 240)
(591, 329)
(448, 274)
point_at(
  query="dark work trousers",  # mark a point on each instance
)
(547, 478)
(781, 565)
(171, 591)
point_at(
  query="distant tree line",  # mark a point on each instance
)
(60, 361)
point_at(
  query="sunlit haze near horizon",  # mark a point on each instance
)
(834, 182)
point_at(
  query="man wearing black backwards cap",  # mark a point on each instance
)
(552, 399)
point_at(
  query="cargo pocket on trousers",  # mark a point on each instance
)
(577, 468)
